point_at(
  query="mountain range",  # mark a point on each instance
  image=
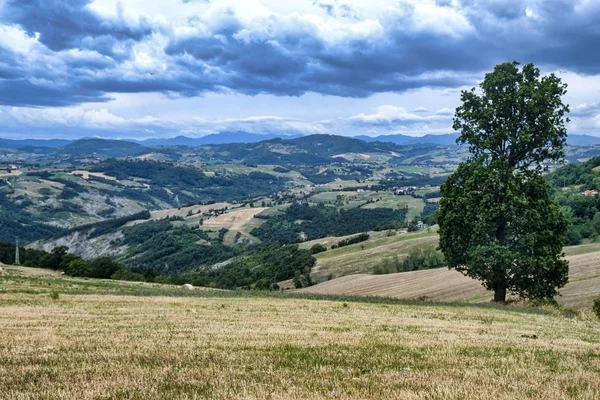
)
(448, 139)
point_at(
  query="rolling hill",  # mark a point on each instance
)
(449, 285)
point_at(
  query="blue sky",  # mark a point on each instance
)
(158, 68)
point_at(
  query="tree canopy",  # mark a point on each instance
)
(497, 221)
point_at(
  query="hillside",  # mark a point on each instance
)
(449, 285)
(74, 338)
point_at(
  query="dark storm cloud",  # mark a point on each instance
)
(67, 24)
(289, 57)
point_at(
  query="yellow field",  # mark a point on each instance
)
(5, 174)
(166, 344)
(86, 175)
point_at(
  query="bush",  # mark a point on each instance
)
(318, 248)
(597, 307)
(103, 268)
(127, 275)
(363, 237)
(77, 267)
(423, 258)
(54, 295)
(388, 266)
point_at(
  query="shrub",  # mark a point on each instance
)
(54, 295)
(388, 266)
(318, 248)
(353, 240)
(127, 275)
(597, 307)
(423, 258)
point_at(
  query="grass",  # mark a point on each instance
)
(362, 257)
(140, 341)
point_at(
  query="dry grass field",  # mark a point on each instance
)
(6, 174)
(449, 285)
(234, 221)
(111, 340)
(180, 212)
(86, 175)
(362, 257)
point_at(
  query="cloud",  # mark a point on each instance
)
(68, 52)
(585, 110)
(69, 121)
(421, 110)
(391, 117)
(69, 24)
(444, 111)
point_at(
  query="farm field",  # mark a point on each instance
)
(449, 285)
(6, 174)
(362, 257)
(104, 339)
(235, 221)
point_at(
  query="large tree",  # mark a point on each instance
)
(497, 221)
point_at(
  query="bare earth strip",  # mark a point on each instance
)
(447, 285)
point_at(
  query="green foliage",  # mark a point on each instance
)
(127, 275)
(54, 295)
(503, 230)
(518, 117)
(274, 263)
(429, 212)
(103, 268)
(583, 211)
(389, 265)
(17, 221)
(497, 221)
(577, 174)
(103, 227)
(302, 221)
(172, 250)
(420, 258)
(318, 248)
(363, 237)
(188, 183)
(54, 259)
(77, 267)
(302, 280)
(597, 307)
(29, 257)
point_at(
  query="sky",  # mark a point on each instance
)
(163, 68)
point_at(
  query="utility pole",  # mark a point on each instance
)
(17, 261)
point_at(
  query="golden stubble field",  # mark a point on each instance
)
(112, 345)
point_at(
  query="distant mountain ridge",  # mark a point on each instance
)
(216, 138)
(21, 143)
(448, 139)
(222, 138)
(111, 148)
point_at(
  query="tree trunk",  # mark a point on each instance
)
(500, 292)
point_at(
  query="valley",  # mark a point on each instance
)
(213, 215)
